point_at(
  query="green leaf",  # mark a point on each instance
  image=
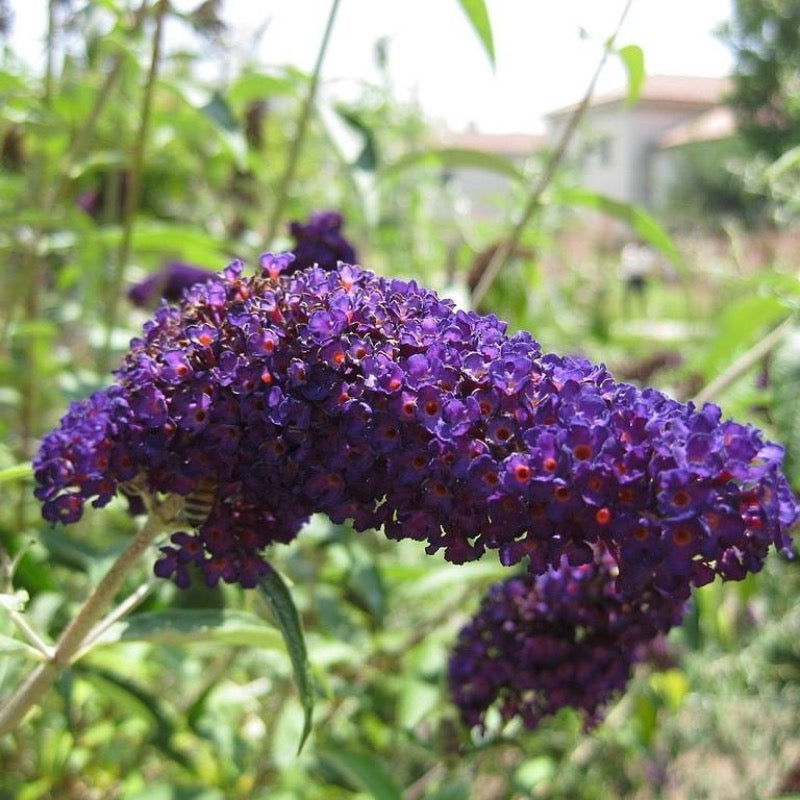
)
(285, 612)
(478, 17)
(368, 157)
(257, 86)
(363, 771)
(10, 83)
(736, 328)
(444, 579)
(789, 161)
(122, 689)
(456, 158)
(64, 549)
(18, 472)
(785, 380)
(632, 58)
(10, 646)
(646, 226)
(219, 112)
(188, 625)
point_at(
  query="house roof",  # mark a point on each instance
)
(507, 144)
(717, 123)
(683, 90)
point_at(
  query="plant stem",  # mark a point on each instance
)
(745, 362)
(131, 200)
(81, 140)
(127, 605)
(502, 254)
(71, 640)
(282, 194)
(50, 54)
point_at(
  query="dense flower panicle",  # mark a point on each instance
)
(168, 283)
(335, 390)
(320, 242)
(541, 643)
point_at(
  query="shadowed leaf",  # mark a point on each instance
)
(284, 610)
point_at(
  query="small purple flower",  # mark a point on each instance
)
(320, 242)
(168, 283)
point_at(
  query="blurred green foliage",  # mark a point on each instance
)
(193, 695)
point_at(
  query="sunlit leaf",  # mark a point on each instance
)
(120, 688)
(285, 612)
(257, 86)
(671, 685)
(784, 372)
(478, 16)
(363, 771)
(11, 83)
(645, 225)
(632, 58)
(738, 326)
(789, 161)
(455, 158)
(448, 577)
(189, 625)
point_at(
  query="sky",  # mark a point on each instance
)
(546, 50)
(543, 61)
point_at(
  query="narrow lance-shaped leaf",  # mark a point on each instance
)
(188, 625)
(456, 158)
(785, 380)
(478, 17)
(288, 619)
(362, 770)
(639, 220)
(632, 58)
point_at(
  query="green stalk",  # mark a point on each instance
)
(71, 641)
(134, 188)
(282, 193)
(503, 253)
(745, 362)
(50, 54)
(80, 142)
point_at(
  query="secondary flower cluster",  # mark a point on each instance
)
(565, 638)
(320, 242)
(372, 399)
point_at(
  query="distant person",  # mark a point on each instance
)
(637, 264)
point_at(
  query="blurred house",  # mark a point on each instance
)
(628, 150)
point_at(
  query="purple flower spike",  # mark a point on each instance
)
(319, 242)
(334, 390)
(565, 638)
(168, 283)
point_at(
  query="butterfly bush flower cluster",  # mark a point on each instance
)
(565, 638)
(371, 399)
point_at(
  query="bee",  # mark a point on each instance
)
(199, 502)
